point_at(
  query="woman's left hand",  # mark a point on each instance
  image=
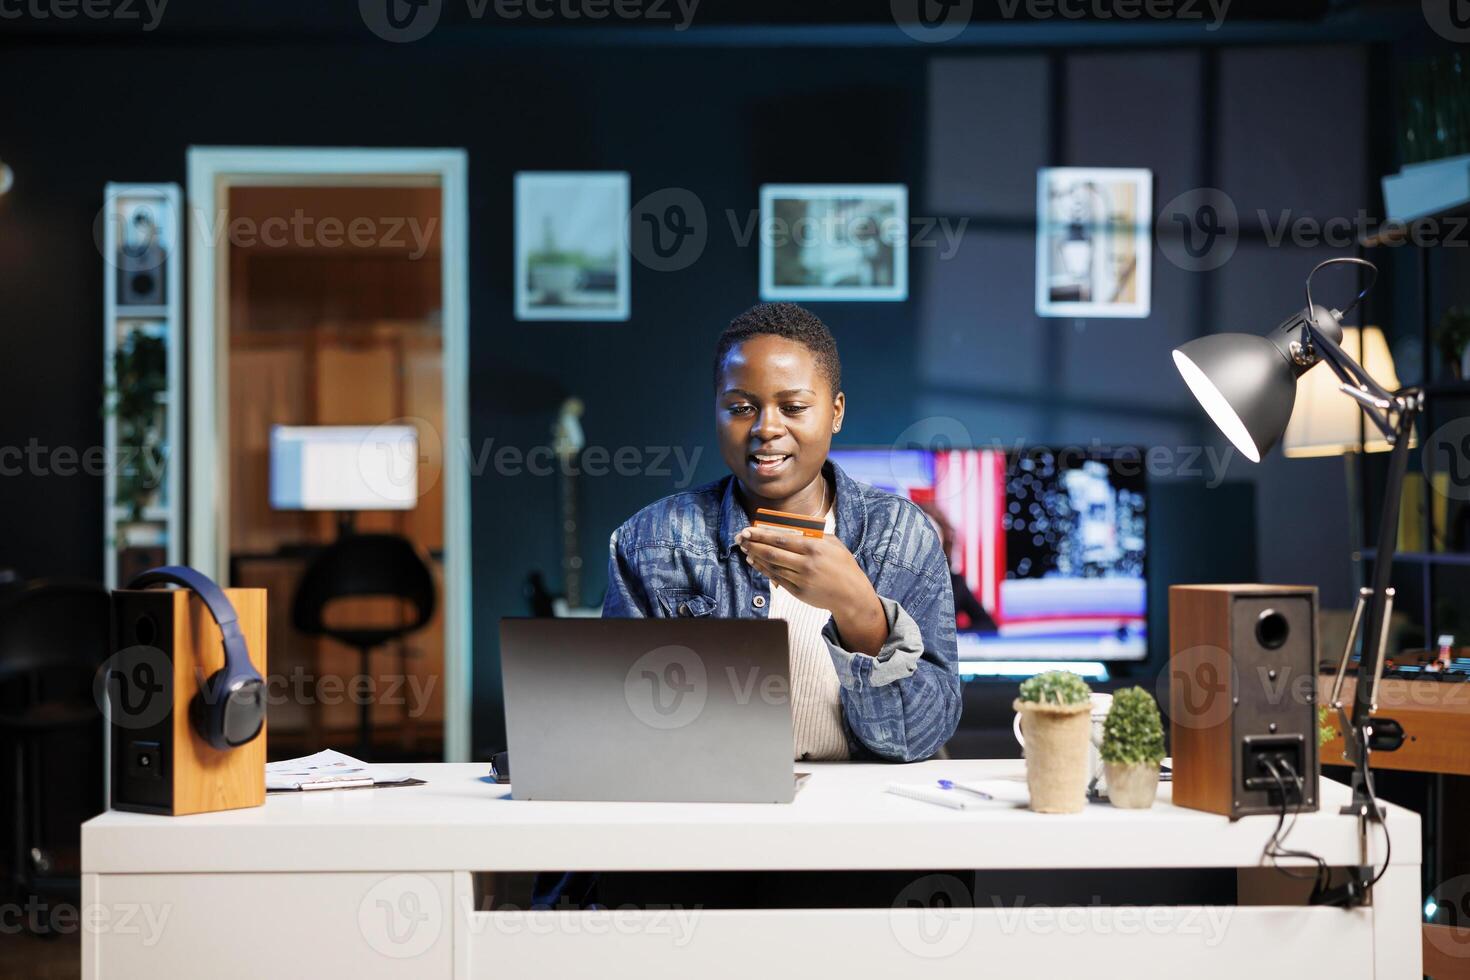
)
(821, 572)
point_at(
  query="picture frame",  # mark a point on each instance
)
(836, 242)
(1094, 241)
(571, 257)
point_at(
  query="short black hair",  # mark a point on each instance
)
(789, 321)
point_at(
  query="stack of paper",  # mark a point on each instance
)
(330, 769)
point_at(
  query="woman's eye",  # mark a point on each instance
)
(794, 409)
(740, 409)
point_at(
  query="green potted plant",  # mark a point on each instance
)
(1132, 748)
(135, 398)
(1452, 336)
(1056, 719)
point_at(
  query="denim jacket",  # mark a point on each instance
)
(678, 557)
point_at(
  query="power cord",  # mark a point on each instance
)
(1387, 840)
(1276, 846)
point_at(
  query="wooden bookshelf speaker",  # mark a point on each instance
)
(1243, 697)
(185, 696)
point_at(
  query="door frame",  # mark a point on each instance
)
(212, 171)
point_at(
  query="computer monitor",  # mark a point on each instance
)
(1051, 542)
(344, 467)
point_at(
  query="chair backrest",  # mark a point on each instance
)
(364, 565)
(55, 629)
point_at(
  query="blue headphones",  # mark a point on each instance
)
(229, 708)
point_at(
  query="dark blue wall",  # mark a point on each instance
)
(966, 133)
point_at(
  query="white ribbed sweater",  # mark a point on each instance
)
(816, 712)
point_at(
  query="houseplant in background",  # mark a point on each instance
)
(140, 381)
(1452, 336)
(1132, 748)
(1056, 719)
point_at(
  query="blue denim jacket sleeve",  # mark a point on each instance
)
(625, 598)
(904, 704)
(678, 557)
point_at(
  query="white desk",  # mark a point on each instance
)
(378, 883)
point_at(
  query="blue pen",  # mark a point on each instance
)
(949, 784)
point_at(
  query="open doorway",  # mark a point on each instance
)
(328, 287)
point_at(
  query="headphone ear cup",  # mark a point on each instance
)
(202, 710)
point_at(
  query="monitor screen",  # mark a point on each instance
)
(344, 467)
(1047, 546)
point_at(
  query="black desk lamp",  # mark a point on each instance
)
(1247, 384)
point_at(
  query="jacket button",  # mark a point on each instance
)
(683, 609)
(759, 602)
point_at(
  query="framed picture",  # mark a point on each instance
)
(571, 260)
(1093, 241)
(834, 242)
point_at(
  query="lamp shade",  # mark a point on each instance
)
(1327, 424)
(1245, 383)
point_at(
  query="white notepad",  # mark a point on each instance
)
(329, 769)
(1003, 793)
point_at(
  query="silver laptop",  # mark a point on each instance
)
(657, 710)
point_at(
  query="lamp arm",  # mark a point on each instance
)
(1343, 365)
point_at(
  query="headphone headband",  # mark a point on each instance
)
(214, 597)
(223, 725)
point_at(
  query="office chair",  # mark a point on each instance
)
(377, 565)
(54, 634)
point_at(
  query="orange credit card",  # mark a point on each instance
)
(812, 527)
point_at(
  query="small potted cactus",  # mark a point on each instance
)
(1132, 748)
(1056, 720)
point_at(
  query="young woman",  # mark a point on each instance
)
(869, 606)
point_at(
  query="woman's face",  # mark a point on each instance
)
(775, 414)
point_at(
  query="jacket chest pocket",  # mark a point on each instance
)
(685, 603)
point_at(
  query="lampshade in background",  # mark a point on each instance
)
(7, 178)
(1325, 423)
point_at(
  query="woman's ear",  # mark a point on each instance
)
(839, 408)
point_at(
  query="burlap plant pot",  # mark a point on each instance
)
(1058, 742)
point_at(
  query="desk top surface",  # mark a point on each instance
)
(842, 818)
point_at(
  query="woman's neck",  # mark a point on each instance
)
(813, 499)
